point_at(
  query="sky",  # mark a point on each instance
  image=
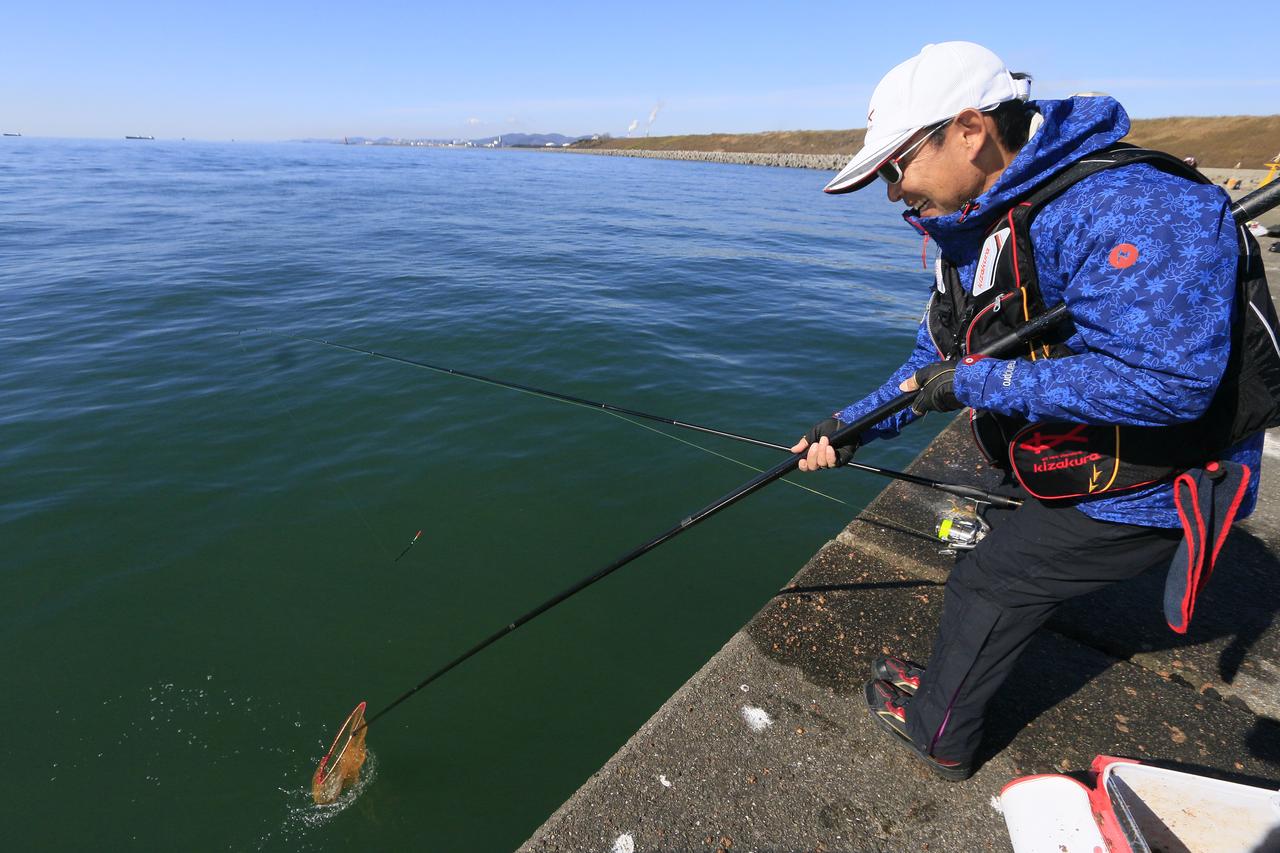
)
(469, 68)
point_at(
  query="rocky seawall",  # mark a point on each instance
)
(1237, 182)
(1249, 179)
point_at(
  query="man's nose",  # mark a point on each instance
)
(894, 192)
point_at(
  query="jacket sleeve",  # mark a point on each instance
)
(923, 353)
(1147, 270)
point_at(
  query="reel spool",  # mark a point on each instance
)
(962, 531)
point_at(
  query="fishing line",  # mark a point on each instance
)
(333, 775)
(722, 456)
(615, 412)
(618, 412)
(526, 389)
(346, 496)
(951, 488)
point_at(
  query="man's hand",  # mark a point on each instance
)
(821, 453)
(936, 383)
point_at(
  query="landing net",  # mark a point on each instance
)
(340, 767)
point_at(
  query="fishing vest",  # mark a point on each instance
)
(1072, 460)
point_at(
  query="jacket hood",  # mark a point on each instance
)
(1072, 129)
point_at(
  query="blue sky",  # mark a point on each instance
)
(467, 68)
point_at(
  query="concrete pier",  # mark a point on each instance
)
(769, 745)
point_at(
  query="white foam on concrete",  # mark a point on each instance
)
(757, 719)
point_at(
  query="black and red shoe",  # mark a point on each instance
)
(902, 674)
(888, 707)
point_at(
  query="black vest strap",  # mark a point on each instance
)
(1119, 154)
(1006, 293)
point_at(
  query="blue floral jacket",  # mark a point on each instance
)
(1151, 334)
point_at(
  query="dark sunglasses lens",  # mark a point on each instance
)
(890, 173)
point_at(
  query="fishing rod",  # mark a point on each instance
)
(341, 765)
(969, 492)
(1256, 203)
(843, 436)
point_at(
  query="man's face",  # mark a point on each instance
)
(939, 176)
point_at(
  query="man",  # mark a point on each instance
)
(1145, 260)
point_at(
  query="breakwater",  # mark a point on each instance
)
(827, 162)
(1250, 179)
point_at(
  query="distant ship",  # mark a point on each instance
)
(139, 137)
(13, 134)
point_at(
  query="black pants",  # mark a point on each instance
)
(1000, 593)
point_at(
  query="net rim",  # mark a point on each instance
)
(348, 729)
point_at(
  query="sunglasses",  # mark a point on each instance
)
(890, 171)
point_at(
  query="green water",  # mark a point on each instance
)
(200, 526)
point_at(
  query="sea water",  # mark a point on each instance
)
(200, 518)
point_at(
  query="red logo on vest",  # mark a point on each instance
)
(1040, 441)
(1123, 256)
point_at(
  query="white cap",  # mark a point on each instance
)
(930, 87)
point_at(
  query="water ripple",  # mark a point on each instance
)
(182, 493)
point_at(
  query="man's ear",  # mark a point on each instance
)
(973, 131)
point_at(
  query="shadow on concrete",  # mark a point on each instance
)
(1061, 685)
(1263, 740)
(1232, 649)
(1067, 702)
(1213, 773)
(1068, 699)
(1230, 635)
(1250, 550)
(851, 587)
(921, 535)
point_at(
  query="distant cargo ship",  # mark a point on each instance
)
(13, 134)
(139, 137)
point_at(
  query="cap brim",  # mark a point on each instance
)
(861, 170)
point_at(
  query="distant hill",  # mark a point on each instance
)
(1219, 142)
(774, 142)
(1216, 141)
(506, 140)
(528, 140)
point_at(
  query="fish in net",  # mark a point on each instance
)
(340, 767)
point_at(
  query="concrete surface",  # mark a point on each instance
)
(821, 776)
